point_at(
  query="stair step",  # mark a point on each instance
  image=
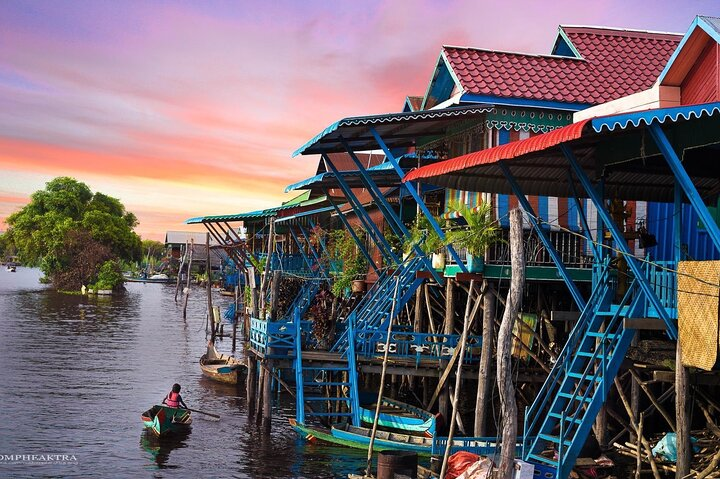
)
(566, 418)
(574, 398)
(321, 398)
(592, 354)
(329, 384)
(554, 439)
(610, 336)
(321, 368)
(587, 377)
(543, 459)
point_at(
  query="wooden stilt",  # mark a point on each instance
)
(180, 270)
(208, 287)
(682, 386)
(449, 328)
(274, 291)
(458, 378)
(504, 348)
(267, 394)
(484, 386)
(251, 384)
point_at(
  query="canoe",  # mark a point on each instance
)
(164, 420)
(401, 416)
(221, 368)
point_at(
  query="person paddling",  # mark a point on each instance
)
(174, 399)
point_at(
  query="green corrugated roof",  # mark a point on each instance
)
(300, 200)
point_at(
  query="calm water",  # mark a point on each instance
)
(76, 372)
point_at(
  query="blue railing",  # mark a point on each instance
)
(273, 339)
(663, 278)
(418, 346)
(482, 446)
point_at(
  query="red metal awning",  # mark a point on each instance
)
(502, 152)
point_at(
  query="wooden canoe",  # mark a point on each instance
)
(164, 420)
(400, 416)
(221, 368)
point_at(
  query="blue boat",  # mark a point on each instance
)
(400, 416)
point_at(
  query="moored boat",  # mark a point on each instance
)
(164, 420)
(401, 416)
(221, 368)
(10, 269)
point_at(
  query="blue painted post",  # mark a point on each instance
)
(312, 251)
(300, 248)
(352, 372)
(621, 244)
(355, 238)
(371, 227)
(395, 222)
(410, 187)
(685, 182)
(583, 219)
(542, 234)
(299, 392)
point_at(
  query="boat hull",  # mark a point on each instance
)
(401, 416)
(220, 368)
(164, 420)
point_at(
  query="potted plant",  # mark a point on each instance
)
(351, 265)
(480, 231)
(423, 235)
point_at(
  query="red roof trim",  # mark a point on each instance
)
(502, 152)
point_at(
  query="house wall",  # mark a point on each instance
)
(702, 83)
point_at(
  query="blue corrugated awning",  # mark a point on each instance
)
(660, 115)
(383, 175)
(296, 202)
(396, 129)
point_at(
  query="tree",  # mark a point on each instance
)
(70, 231)
(153, 249)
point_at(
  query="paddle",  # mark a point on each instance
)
(217, 416)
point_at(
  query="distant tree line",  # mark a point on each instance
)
(75, 236)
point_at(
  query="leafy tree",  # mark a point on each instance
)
(70, 231)
(154, 249)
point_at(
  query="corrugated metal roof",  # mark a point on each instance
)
(623, 154)
(299, 201)
(182, 237)
(396, 129)
(304, 214)
(638, 118)
(378, 173)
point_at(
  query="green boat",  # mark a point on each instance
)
(164, 420)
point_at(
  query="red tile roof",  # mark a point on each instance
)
(614, 63)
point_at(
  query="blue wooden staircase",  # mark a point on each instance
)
(303, 299)
(564, 411)
(374, 309)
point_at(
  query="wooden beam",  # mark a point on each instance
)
(648, 324)
(564, 315)
(704, 379)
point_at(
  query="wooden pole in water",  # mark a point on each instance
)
(267, 394)
(682, 422)
(268, 261)
(187, 286)
(449, 328)
(180, 269)
(504, 346)
(456, 392)
(484, 386)
(251, 384)
(382, 380)
(237, 315)
(274, 292)
(208, 287)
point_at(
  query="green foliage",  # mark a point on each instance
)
(66, 217)
(345, 251)
(481, 230)
(423, 235)
(153, 249)
(109, 277)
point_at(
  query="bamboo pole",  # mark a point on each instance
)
(504, 348)
(638, 457)
(208, 287)
(448, 328)
(187, 285)
(382, 379)
(682, 385)
(654, 401)
(179, 275)
(458, 379)
(636, 427)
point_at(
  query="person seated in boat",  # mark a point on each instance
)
(174, 399)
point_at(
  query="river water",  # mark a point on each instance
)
(76, 373)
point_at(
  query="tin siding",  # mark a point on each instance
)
(701, 83)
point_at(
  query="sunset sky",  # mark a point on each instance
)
(186, 108)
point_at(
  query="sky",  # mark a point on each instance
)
(187, 108)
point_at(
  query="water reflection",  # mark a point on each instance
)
(159, 448)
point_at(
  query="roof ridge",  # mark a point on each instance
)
(508, 52)
(622, 30)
